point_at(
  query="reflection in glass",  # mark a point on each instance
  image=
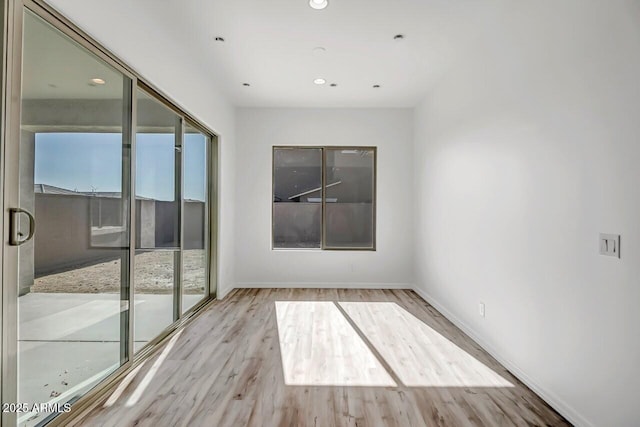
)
(195, 263)
(349, 198)
(158, 199)
(297, 197)
(73, 172)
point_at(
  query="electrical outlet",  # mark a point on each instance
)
(610, 245)
(481, 309)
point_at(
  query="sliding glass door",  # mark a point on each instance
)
(74, 183)
(108, 205)
(196, 158)
(158, 212)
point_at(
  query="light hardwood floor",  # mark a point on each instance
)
(227, 368)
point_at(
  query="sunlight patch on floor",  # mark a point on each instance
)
(139, 391)
(319, 347)
(419, 355)
(113, 398)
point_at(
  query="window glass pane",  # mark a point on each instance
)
(157, 178)
(158, 199)
(74, 179)
(196, 223)
(297, 197)
(349, 198)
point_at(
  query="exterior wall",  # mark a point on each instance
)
(64, 236)
(146, 221)
(193, 223)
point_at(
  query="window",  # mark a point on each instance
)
(324, 197)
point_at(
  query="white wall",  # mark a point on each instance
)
(131, 31)
(524, 152)
(258, 130)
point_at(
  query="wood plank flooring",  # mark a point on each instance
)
(318, 346)
(226, 368)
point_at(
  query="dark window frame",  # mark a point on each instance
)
(324, 149)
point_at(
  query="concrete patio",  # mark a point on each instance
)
(80, 336)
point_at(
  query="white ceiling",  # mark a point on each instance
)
(269, 44)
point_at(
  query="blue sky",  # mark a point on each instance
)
(93, 161)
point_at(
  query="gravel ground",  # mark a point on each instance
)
(153, 275)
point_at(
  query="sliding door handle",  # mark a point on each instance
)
(15, 236)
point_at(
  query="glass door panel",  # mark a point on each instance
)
(158, 210)
(196, 218)
(74, 180)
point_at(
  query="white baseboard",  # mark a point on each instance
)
(223, 292)
(556, 403)
(325, 285)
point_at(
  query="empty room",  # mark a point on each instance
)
(324, 213)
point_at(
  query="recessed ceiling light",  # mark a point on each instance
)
(398, 37)
(376, 86)
(246, 84)
(318, 4)
(97, 81)
(333, 84)
(319, 81)
(220, 39)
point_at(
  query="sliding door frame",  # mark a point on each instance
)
(11, 37)
(178, 256)
(12, 58)
(210, 209)
(3, 66)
